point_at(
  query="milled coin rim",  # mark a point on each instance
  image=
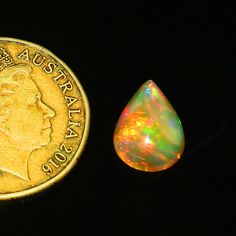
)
(34, 191)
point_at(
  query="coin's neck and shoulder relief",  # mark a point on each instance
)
(15, 162)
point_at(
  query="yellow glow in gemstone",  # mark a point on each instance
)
(149, 135)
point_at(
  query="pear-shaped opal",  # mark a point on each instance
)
(149, 135)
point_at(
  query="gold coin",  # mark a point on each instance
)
(44, 119)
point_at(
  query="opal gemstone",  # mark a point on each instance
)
(149, 134)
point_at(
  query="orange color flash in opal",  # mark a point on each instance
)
(149, 135)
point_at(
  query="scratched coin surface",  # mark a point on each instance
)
(44, 119)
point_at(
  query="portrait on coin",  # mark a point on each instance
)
(24, 119)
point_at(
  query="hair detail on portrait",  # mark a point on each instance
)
(24, 119)
(9, 82)
(5, 59)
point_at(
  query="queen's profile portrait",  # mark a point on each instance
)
(24, 118)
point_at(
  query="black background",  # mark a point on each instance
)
(188, 49)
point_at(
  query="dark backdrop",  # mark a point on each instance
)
(188, 49)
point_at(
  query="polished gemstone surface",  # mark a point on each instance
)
(149, 135)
